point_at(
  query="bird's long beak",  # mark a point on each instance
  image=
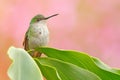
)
(51, 16)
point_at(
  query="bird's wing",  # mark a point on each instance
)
(25, 42)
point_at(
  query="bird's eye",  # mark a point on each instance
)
(37, 20)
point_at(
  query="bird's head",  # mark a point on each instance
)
(40, 17)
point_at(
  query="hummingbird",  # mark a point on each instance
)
(37, 34)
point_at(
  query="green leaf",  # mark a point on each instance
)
(23, 66)
(67, 71)
(84, 61)
(48, 72)
(105, 67)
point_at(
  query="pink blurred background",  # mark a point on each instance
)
(91, 26)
